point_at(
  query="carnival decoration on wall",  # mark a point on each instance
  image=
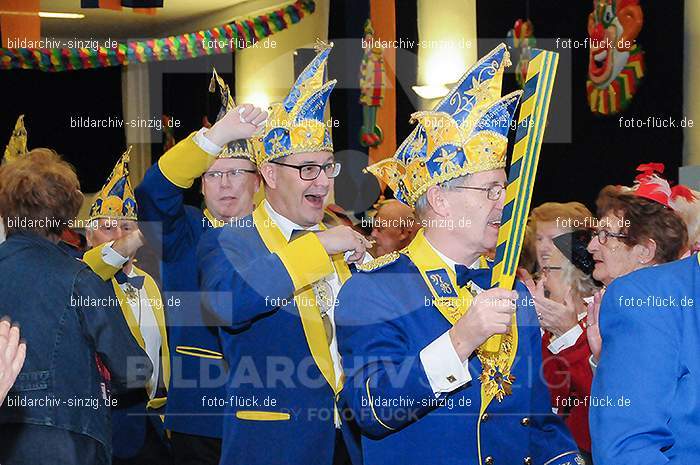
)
(521, 40)
(616, 61)
(236, 35)
(371, 90)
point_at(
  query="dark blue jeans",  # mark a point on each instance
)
(27, 444)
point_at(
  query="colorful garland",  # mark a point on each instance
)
(229, 37)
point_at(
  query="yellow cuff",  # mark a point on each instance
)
(93, 259)
(306, 260)
(185, 162)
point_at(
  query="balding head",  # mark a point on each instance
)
(394, 227)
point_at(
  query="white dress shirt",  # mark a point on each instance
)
(445, 371)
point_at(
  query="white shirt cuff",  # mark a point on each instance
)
(445, 371)
(566, 340)
(593, 363)
(205, 144)
(112, 257)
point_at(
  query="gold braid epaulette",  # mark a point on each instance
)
(381, 261)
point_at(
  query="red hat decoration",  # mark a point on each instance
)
(649, 185)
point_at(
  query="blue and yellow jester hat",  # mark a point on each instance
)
(297, 124)
(466, 133)
(17, 146)
(116, 199)
(236, 148)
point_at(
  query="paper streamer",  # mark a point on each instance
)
(230, 37)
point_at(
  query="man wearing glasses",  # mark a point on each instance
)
(272, 280)
(223, 160)
(420, 381)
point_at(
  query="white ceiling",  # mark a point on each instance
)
(101, 23)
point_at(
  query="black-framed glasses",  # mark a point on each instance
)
(603, 235)
(310, 171)
(492, 193)
(218, 176)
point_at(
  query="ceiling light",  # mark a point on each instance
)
(46, 14)
(431, 91)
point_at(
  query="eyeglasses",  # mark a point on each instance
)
(310, 172)
(218, 176)
(492, 193)
(603, 235)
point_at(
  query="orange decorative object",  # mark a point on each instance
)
(19, 22)
(383, 16)
(111, 4)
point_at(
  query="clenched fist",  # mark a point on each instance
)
(490, 313)
(128, 245)
(341, 239)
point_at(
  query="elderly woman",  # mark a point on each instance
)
(563, 289)
(58, 410)
(637, 227)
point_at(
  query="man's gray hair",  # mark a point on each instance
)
(423, 206)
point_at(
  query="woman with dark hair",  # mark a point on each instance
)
(58, 409)
(637, 227)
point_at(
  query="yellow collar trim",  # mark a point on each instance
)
(454, 301)
(213, 221)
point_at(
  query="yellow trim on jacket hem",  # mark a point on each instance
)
(256, 415)
(199, 352)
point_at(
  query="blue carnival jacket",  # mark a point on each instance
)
(134, 409)
(198, 372)
(385, 318)
(647, 385)
(68, 315)
(281, 399)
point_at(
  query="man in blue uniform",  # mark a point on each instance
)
(411, 328)
(272, 280)
(137, 428)
(222, 158)
(645, 406)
